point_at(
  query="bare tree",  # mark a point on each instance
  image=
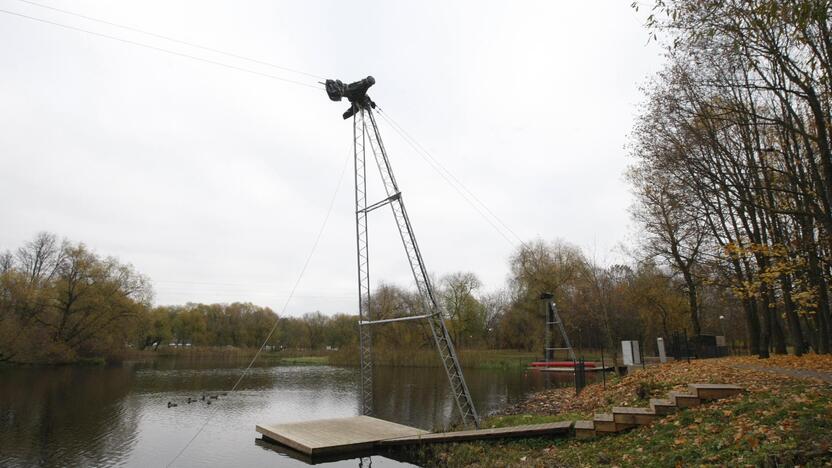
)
(672, 230)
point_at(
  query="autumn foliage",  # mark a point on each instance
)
(733, 162)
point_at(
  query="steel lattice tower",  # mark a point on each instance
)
(366, 134)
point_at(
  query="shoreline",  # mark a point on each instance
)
(496, 359)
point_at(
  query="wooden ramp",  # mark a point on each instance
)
(529, 430)
(359, 434)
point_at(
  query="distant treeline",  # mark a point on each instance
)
(60, 302)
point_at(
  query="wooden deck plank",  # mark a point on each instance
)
(584, 429)
(585, 425)
(633, 415)
(632, 410)
(684, 400)
(663, 406)
(530, 430)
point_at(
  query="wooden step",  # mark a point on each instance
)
(715, 391)
(684, 400)
(584, 429)
(637, 416)
(663, 407)
(606, 423)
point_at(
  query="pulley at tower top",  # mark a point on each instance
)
(355, 92)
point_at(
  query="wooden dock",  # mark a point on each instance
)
(360, 434)
(333, 436)
(356, 436)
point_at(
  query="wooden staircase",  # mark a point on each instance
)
(623, 418)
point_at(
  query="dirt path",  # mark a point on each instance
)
(799, 373)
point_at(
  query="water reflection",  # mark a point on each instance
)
(119, 416)
(62, 417)
(420, 397)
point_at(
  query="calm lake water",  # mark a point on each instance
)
(69, 416)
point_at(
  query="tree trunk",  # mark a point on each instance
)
(693, 302)
(777, 333)
(791, 315)
(818, 281)
(765, 332)
(752, 323)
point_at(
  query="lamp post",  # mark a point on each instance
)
(722, 324)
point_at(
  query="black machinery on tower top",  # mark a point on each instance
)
(355, 92)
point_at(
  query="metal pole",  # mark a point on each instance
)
(687, 348)
(603, 368)
(548, 352)
(363, 257)
(641, 355)
(580, 375)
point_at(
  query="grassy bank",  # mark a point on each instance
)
(780, 421)
(480, 358)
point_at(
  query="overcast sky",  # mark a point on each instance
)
(214, 182)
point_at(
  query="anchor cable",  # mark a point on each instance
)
(162, 49)
(283, 310)
(171, 39)
(469, 196)
(454, 182)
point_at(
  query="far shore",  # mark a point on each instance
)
(346, 357)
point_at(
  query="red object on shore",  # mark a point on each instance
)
(559, 364)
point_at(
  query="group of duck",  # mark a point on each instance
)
(206, 398)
